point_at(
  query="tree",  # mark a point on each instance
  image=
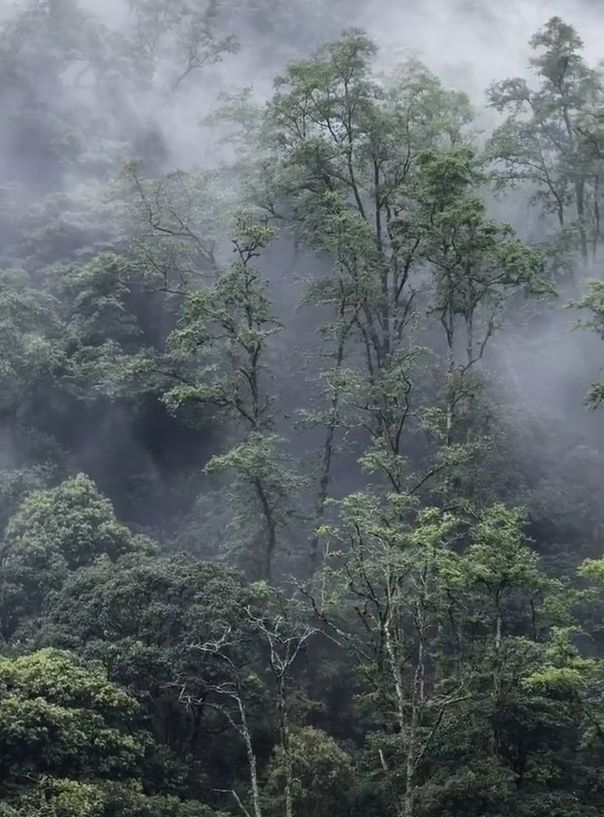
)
(297, 342)
(183, 33)
(217, 356)
(73, 742)
(142, 617)
(476, 265)
(346, 148)
(286, 634)
(528, 686)
(458, 627)
(54, 532)
(52, 51)
(33, 365)
(593, 303)
(74, 799)
(59, 718)
(322, 775)
(392, 576)
(542, 141)
(33, 357)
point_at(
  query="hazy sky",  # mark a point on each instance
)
(473, 42)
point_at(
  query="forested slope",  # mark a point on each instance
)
(301, 456)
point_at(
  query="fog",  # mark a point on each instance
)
(114, 116)
(301, 444)
(470, 43)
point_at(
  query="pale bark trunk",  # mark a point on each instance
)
(251, 759)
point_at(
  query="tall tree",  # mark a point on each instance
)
(542, 140)
(217, 356)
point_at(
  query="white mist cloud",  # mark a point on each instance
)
(470, 43)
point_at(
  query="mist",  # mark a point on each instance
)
(468, 45)
(301, 425)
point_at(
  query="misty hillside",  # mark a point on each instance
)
(301, 423)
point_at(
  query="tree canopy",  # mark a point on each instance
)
(301, 508)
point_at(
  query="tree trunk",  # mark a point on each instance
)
(450, 410)
(285, 744)
(251, 759)
(326, 463)
(271, 531)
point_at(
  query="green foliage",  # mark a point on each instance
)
(53, 533)
(546, 139)
(593, 569)
(323, 775)
(72, 743)
(217, 356)
(477, 262)
(58, 717)
(593, 302)
(220, 342)
(513, 678)
(144, 618)
(30, 335)
(293, 342)
(69, 798)
(96, 296)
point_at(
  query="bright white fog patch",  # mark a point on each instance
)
(470, 43)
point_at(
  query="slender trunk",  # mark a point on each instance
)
(394, 663)
(580, 194)
(472, 359)
(350, 153)
(385, 311)
(560, 210)
(470, 338)
(414, 725)
(408, 806)
(378, 207)
(450, 410)
(251, 759)
(326, 463)
(389, 644)
(271, 530)
(496, 674)
(386, 327)
(596, 233)
(253, 353)
(397, 678)
(579, 188)
(285, 744)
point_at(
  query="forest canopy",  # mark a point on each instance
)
(301, 455)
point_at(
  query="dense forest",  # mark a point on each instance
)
(301, 456)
